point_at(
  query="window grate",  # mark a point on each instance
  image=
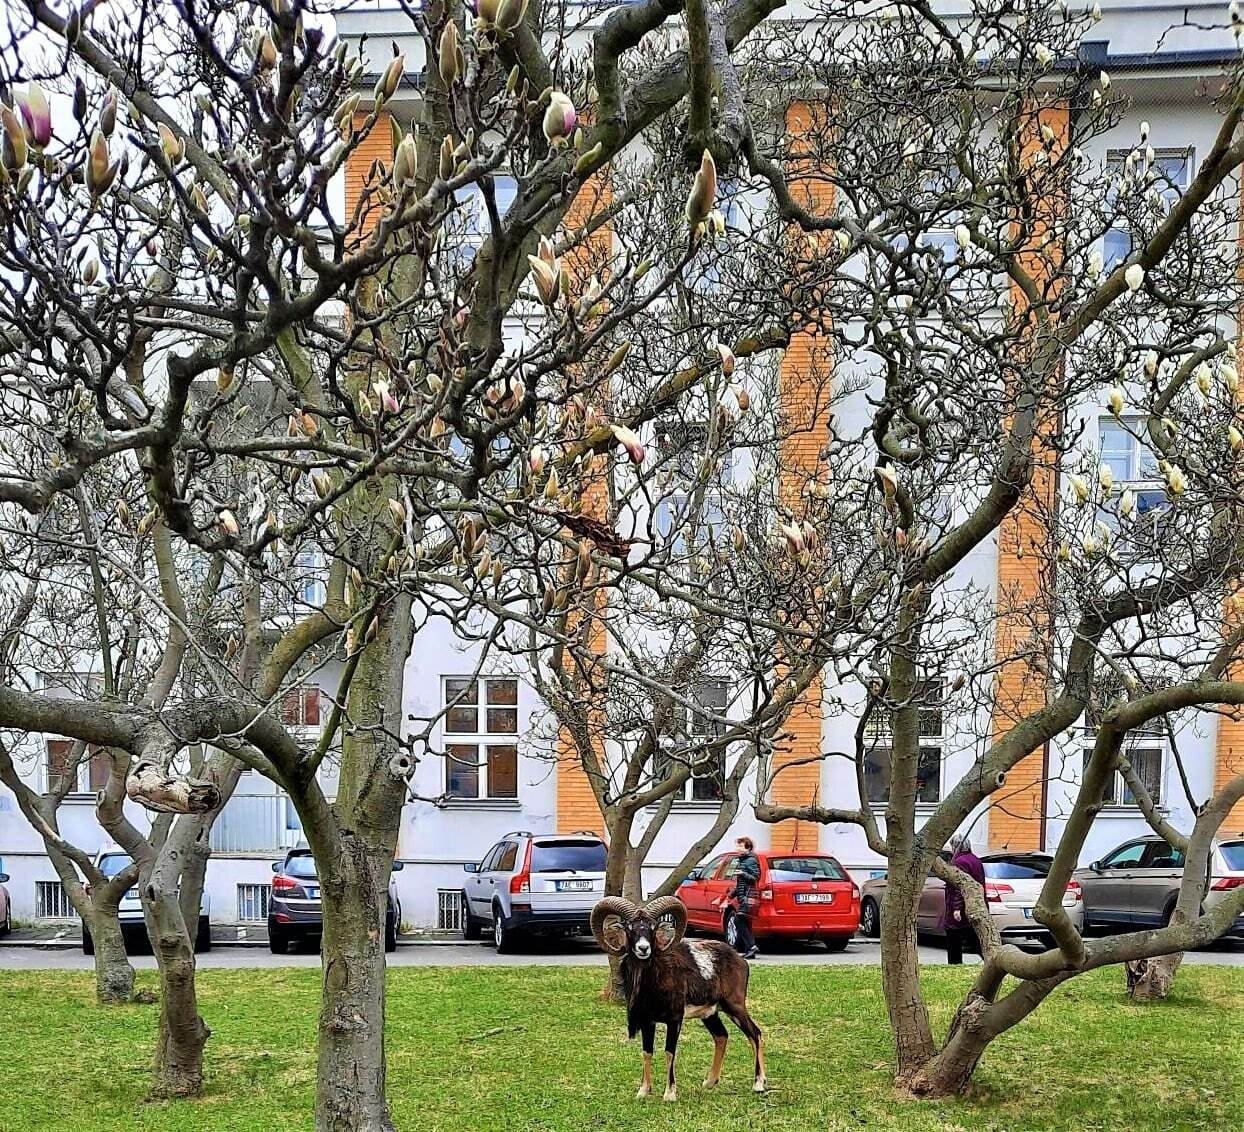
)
(253, 902)
(449, 909)
(52, 901)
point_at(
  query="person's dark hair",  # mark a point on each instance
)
(746, 842)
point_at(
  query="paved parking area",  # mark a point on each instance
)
(562, 952)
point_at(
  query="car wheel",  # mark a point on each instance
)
(732, 930)
(278, 941)
(837, 942)
(502, 937)
(203, 937)
(471, 928)
(870, 918)
(390, 934)
(88, 944)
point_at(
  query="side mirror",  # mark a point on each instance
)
(398, 866)
(471, 867)
(1095, 866)
(276, 866)
(4, 878)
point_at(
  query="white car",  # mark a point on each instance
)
(111, 861)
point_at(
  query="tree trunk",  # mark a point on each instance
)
(1151, 979)
(114, 975)
(622, 878)
(900, 978)
(183, 1033)
(949, 1071)
(350, 1088)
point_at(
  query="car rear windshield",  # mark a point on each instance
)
(805, 868)
(113, 863)
(1016, 870)
(1233, 854)
(568, 857)
(303, 866)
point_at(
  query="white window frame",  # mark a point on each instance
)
(61, 685)
(692, 725)
(1144, 486)
(1141, 739)
(481, 738)
(1116, 161)
(879, 735)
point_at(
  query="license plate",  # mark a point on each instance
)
(312, 893)
(814, 898)
(574, 886)
(1027, 913)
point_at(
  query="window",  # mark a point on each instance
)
(509, 856)
(300, 706)
(568, 857)
(468, 227)
(731, 869)
(683, 445)
(482, 737)
(692, 730)
(1126, 857)
(1161, 855)
(805, 868)
(51, 901)
(1143, 749)
(449, 909)
(253, 903)
(1171, 175)
(1132, 463)
(879, 747)
(89, 777)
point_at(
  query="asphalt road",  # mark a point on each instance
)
(573, 953)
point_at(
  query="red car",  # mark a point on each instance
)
(802, 896)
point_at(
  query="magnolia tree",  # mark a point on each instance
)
(1005, 284)
(188, 312)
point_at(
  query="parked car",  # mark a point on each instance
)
(6, 906)
(1137, 883)
(295, 913)
(802, 896)
(533, 883)
(112, 860)
(1013, 882)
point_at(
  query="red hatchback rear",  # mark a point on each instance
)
(802, 896)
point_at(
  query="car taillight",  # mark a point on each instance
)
(521, 881)
(995, 892)
(1074, 890)
(283, 883)
(766, 894)
(1224, 883)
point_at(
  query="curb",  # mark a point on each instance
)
(75, 943)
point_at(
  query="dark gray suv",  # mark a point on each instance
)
(294, 910)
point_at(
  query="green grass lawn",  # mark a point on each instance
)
(504, 1048)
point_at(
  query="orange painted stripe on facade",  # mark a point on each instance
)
(577, 807)
(804, 388)
(376, 146)
(1229, 741)
(1016, 816)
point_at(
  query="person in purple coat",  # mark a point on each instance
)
(959, 930)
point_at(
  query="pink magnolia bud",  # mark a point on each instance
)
(727, 359)
(36, 114)
(629, 441)
(559, 119)
(536, 461)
